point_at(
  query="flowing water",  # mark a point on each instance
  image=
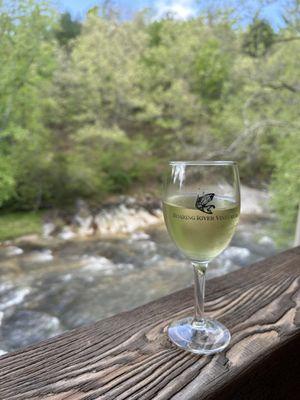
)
(57, 285)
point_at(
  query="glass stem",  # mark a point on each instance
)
(199, 286)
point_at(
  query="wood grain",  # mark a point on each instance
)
(129, 356)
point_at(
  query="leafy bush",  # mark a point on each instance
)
(286, 183)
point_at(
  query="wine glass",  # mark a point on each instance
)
(201, 205)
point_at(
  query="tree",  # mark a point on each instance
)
(28, 50)
(259, 38)
(106, 108)
(285, 183)
(68, 29)
(94, 96)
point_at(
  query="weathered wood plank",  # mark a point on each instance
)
(129, 356)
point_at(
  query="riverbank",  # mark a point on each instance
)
(20, 223)
(120, 215)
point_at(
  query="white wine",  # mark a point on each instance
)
(201, 225)
(200, 235)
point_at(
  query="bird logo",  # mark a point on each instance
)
(202, 203)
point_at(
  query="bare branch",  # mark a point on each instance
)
(289, 39)
(282, 85)
(247, 104)
(244, 137)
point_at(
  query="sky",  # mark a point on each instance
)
(181, 9)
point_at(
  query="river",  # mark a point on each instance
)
(57, 285)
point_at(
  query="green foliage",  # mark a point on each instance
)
(28, 51)
(211, 70)
(155, 33)
(286, 183)
(259, 38)
(15, 224)
(7, 182)
(97, 107)
(68, 29)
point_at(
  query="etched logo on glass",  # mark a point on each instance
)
(202, 203)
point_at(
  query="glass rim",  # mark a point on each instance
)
(203, 162)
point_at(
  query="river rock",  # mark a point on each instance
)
(254, 202)
(85, 225)
(83, 219)
(82, 209)
(122, 219)
(96, 264)
(28, 239)
(67, 233)
(40, 256)
(266, 241)
(237, 255)
(11, 251)
(139, 236)
(48, 229)
(128, 200)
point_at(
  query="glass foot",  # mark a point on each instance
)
(207, 337)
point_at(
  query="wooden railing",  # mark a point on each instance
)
(128, 356)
